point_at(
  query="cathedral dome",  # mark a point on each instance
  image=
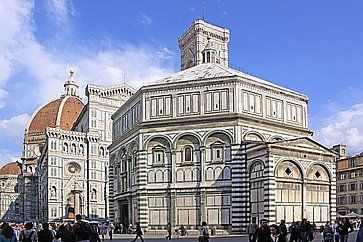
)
(61, 112)
(12, 168)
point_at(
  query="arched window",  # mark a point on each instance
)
(53, 192)
(81, 149)
(65, 147)
(93, 194)
(102, 152)
(73, 149)
(188, 154)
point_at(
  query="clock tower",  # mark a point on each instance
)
(202, 43)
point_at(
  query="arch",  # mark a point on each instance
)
(102, 151)
(211, 133)
(295, 162)
(276, 138)
(323, 165)
(65, 147)
(179, 175)
(180, 136)
(218, 173)
(159, 176)
(226, 173)
(188, 175)
(93, 194)
(167, 176)
(254, 136)
(151, 177)
(156, 137)
(132, 147)
(209, 174)
(53, 192)
(254, 163)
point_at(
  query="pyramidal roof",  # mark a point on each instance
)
(211, 71)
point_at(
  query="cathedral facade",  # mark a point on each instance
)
(213, 144)
(65, 156)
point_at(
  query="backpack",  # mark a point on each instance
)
(84, 231)
(27, 239)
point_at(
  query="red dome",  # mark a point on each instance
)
(62, 112)
(12, 168)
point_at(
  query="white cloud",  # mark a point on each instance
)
(344, 127)
(165, 53)
(13, 128)
(60, 10)
(145, 20)
(136, 66)
(3, 95)
(7, 156)
(13, 14)
(23, 52)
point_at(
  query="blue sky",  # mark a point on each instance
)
(313, 47)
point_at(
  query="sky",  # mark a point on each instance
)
(313, 47)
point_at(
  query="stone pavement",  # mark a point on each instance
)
(117, 237)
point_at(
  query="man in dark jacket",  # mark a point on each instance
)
(283, 229)
(344, 228)
(252, 230)
(263, 232)
(45, 235)
(82, 231)
(138, 232)
(275, 235)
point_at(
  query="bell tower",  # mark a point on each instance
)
(202, 43)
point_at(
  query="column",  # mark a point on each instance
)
(142, 199)
(269, 189)
(172, 190)
(240, 189)
(203, 202)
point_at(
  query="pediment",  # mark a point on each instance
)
(303, 143)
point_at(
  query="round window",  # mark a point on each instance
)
(73, 168)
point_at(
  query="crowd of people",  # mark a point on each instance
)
(82, 231)
(79, 230)
(304, 231)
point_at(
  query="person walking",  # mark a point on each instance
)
(103, 231)
(64, 233)
(45, 235)
(110, 229)
(7, 233)
(168, 229)
(344, 228)
(360, 232)
(82, 231)
(263, 232)
(276, 236)
(138, 232)
(283, 228)
(252, 230)
(28, 234)
(204, 233)
(335, 229)
(328, 233)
